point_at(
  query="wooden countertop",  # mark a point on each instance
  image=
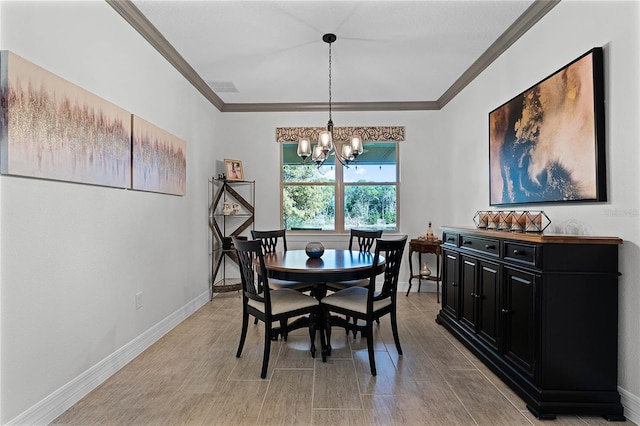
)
(535, 237)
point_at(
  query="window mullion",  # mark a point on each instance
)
(339, 201)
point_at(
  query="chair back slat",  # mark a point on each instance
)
(269, 239)
(365, 239)
(392, 250)
(247, 251)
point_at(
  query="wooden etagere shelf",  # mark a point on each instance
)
(231, 214)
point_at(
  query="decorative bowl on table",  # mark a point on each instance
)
(314, 250)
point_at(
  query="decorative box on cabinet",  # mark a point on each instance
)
(224, 224)
(541, 311)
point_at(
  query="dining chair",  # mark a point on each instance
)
(367, 304)
(363, 241)
(271, 241)
(269, 305)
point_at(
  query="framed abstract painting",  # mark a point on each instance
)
(52, 129)
(159, 159)
(546, 145)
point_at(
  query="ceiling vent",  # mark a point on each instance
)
(223, 86)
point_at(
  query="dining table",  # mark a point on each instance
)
(334, 265)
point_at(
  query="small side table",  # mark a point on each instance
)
(425, 246)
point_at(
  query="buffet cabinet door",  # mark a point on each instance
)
(519, 320)
(488, 296)
(450, 283)
(480, 298)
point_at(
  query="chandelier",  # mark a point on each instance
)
(347, 152)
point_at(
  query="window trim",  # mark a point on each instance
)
(339, 186)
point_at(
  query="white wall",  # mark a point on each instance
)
(569, 30)
(73, 256)
(253, 136)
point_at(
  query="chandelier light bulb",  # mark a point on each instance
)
(347, 152)
(304, 148)
(318, 154)
(325, 140)
(356, 145)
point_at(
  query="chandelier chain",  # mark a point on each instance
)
(330, 82)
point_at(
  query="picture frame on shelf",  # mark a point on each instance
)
(234, 169)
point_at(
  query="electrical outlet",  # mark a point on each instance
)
(139, 300)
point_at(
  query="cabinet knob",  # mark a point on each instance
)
(489, 247)
(467, 243)
(451, 239)
(517, 252)
(505, 311)
(454, 285)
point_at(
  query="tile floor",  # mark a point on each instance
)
(192, 377)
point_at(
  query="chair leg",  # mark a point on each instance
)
(327, 329)
(283, 329)
(313, 325)
(267, 349)
(394, 329)
(243, 334)
(323, 341)
(372, 361)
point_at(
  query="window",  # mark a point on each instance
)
(330, 198)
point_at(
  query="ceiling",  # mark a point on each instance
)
(389, 55)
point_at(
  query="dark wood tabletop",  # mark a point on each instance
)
(334, 265)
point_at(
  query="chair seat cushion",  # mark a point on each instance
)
(350, 283)
(353, 299)
(285, 300)
(294, 285)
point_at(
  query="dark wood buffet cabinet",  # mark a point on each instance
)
(541, 311)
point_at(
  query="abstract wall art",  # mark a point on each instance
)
(159, 159)
(53, 129)
(546, 145)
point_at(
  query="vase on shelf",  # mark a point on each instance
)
(425, 271)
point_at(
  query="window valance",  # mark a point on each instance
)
(368, 134)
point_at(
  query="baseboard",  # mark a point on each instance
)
(47, 410)
(426, 287)
(631, 404)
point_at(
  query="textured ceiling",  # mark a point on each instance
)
(386, 51)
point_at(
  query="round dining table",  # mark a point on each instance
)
(334, 265)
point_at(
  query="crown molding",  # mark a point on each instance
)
(528, 19)
(323, 106)
(140, 23)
